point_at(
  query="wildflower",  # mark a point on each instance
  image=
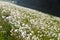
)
(0, 26)
(3, 16)
(58, 36)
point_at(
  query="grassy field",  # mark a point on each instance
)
(20, 23)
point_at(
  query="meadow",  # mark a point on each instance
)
(21, 23)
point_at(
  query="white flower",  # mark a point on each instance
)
(28, 38)
(0, 26)
(30, 34)
(42, 27)
(34, 38)
(32, 21)
(58, 36)
(3, 16)
(53, 34)
(23, 24)
(9, 17)
(16, 30)
(23, 34)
